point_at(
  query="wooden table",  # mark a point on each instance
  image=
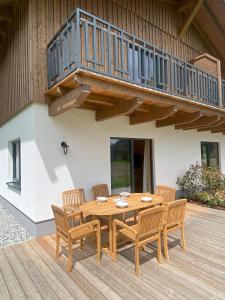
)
(110, 209)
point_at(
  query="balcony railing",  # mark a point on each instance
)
(223, 92)
(88, 42)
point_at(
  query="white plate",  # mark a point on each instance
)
(146, 199)
(117, 199)
(122, 204)
(124, 194)
(102, 199)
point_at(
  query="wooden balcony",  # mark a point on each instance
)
(95, 65)
(30, 271)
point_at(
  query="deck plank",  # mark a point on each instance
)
(198, 273)
(10, 279)
(24, 279)
(47, 275)
(36, 276)
(77, 278)
(4, 292)
(64, 278)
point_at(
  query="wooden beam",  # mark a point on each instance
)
(214, 126)
(121, 109)
(73, 99)
(6, 14)
(190, 18)
(155, 113)
(185, 5)
(179, 117)
(101, 84)
(202, 121)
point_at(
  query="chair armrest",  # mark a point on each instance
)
(92, 223)
(123, 225)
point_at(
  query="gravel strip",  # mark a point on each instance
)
(11, 231)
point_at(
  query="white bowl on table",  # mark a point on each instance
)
(122, 204)
(124, 194)
(146, 199)
(101, 199)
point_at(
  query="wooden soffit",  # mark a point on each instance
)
(111, 98)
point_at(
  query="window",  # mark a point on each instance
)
(14, 164)
(210, 155)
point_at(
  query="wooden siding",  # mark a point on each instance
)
(14, 71)
(23, 68)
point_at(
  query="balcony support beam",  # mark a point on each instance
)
(190, 18)
(121, 109)
(214, 126)
(154, 114)
(180, 117)
(201, 122)
(72, 99)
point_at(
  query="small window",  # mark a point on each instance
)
(15, 164)
(210, 155)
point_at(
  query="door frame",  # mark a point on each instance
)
(152, 159)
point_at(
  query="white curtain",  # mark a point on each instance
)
(147, 168)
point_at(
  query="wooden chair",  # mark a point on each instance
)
(168, 194)
(72, 200)
(147, 230)
(100, 190)
(71, 235)
(174, 219)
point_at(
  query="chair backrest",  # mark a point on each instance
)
(175, 212)
(100, 190)
(168, 194)
(61, 220)
(73, 198)
(150, 221)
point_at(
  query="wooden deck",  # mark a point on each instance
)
(29, 271)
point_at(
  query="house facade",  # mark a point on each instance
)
(122, 92)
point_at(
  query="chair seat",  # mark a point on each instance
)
(128, 233)
(82, 232)
(173, 227)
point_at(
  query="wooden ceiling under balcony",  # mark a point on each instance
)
(110, 98)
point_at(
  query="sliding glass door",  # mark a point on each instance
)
(131, 165)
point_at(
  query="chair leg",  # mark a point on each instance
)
(137, 263)
(57, 245)
(183, 243)
(114, 242)
(98, 239)
(159, 251)
(165, 244)
(135, 216)
(82, 244)
(70, 256)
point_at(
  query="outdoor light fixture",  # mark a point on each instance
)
(64, 147)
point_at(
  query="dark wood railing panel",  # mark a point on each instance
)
(223, 92)
(91, 43)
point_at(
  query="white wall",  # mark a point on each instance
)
(88, 160)
(46, 171)
(22, 127)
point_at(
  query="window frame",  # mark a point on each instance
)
(207, 154)
(15, 164)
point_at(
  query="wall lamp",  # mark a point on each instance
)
(64, 147)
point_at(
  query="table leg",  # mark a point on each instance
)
(110, 236)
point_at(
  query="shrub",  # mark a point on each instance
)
(204, 185)
(212, 199)
(191, 181)
(213, 180)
